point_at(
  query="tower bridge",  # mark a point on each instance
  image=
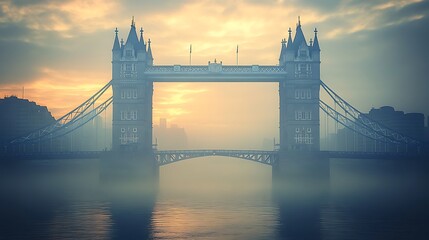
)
(297, 75)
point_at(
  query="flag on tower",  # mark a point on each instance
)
(190, 54)
(236, 56)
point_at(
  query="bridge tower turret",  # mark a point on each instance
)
(299, 94)
(149, 57)
(132, 94)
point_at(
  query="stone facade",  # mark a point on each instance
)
(298, 74)
(299, 93)
(132, 93)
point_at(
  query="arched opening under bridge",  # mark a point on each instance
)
(213, 175)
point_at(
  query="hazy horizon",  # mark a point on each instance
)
(372, 54)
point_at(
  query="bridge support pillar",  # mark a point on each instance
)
(301, 185)
(131, 168)
(302, 173)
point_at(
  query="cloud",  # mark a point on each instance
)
(388, 65)
(18, 61)
(364, 43)
(171, 100)
(65, 18)
(61, 91)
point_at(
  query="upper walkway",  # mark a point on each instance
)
(215, 72)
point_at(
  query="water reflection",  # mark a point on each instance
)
(217, 202)
(65, 199)
(132, 219)
(83, 219)
(299, 219)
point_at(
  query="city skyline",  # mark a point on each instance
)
(61, 54)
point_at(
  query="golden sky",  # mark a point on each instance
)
(60, 51)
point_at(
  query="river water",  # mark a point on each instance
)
(213, 198)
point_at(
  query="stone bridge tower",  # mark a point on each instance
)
(132, 93)
(299, 93)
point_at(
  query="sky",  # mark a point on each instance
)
(374, 53)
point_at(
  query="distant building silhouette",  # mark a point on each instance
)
(19, 117)
(93, 136)
(409, 124)
(427, 134)
(172, 137)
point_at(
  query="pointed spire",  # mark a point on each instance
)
(289, 40)
(149, 50)
(116, 41)
(132, 35)
(316, 41)
(283, 48)
(299, 35)
(142, 44)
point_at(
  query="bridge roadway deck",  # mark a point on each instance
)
(215, 73)
(171, 156)
(264, 157)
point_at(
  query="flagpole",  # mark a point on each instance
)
(237, 55)
(190, 54)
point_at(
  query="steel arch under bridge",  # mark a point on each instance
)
(172, 156)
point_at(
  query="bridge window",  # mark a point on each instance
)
(304, 67)
(129, 94)
(308, 93)
(302, 53)
(303, 136)
(298, 115)
(133, 115)
(128, 53)
(307, 116)
(129, 138)
(129, 135)
(302, 70)
(302, 115)
(128, 70)
(128, 67)
(123, 138)
(128, 115)
(302, 93)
